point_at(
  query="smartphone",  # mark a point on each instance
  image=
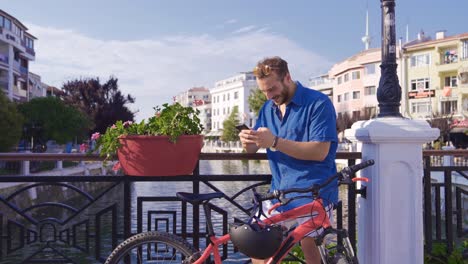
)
(242, 127)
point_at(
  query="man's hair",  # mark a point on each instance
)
(276, 64)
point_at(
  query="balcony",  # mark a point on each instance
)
(24, 72)
(4, 59)
(19, 92)
(4, 85)
(448, 67)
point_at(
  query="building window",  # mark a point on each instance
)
(340, 80)
(451, 81)
(369, 90)
(448, 107)
(464, 50)
(236, 95)
(1, 21)
(356, 94)
(228, 96)
(420, 60)
(421, 107)
(356, 75)
(369, 69)
(224, 97)
(346, 96)
(420, 84)
(346, 77)
(7, 23)
(338, 98)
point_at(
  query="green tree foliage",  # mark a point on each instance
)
(256, 100)
(11, 124)
(57, 120)
(230, 132)
(103, 103)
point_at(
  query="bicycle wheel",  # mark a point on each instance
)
(337, 249)
(153, 247)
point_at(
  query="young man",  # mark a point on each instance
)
(297, 126)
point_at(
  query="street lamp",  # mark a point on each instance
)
(389, 92)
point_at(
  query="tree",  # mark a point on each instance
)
(55, 119)
(256, 100)
(104, 103)
(443, 123)
(345, 121)
(11, 124)
(230, 132)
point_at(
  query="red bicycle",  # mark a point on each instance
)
(260, 238)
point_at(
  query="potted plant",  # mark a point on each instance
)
(168, 144)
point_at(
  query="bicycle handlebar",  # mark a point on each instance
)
(342, 176)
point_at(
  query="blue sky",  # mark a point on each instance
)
(159, 48)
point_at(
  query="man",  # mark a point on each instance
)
(297, 126)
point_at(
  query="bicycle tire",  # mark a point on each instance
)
(138, 241)
(340, 253)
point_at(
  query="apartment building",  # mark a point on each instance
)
(231, 92)
(437, 75)
(198, 98)
(355, 82)
(36, 88)
(322, 83)
(16, 51)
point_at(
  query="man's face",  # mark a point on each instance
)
(274, 88)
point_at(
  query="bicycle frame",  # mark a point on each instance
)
(318, 220)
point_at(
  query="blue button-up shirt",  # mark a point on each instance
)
(310, 116)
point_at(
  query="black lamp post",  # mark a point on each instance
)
(389, 92)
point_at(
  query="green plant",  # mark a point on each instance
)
(439, 254)
(170, 120)
(11, 124)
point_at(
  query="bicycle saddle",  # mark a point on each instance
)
(198, 198)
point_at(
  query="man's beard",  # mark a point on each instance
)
(283, 97)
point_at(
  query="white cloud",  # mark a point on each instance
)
(244, 29)
(154, 70)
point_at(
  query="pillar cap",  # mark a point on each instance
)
(392, 130)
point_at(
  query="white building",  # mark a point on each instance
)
(198, 94)
(198, 98)
(16, 51)
(322, 83)
(36, 88)
(205, 114)
(231, 92)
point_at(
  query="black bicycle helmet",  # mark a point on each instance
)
(255, 241)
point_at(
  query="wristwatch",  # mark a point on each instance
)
(275, 142)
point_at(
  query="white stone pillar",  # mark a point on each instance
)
(390, 219)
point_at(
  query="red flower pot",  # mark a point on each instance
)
(157, 156)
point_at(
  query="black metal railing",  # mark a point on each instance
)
(80, 219)
(445, 198)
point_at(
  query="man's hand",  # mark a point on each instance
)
(264, 138)
(248, 140)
